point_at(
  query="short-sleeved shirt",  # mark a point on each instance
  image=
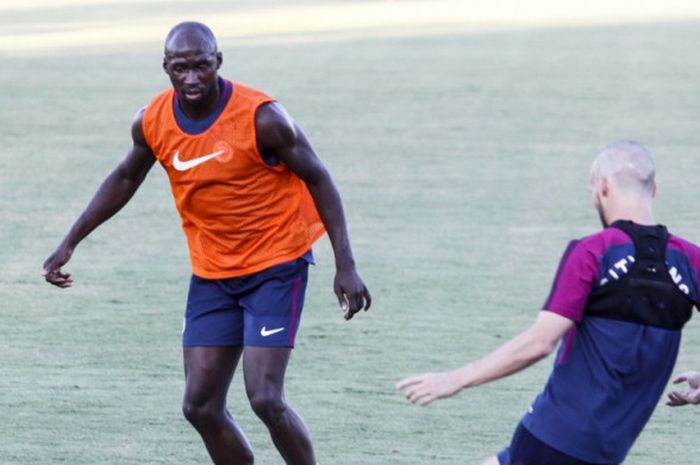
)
(608, 374)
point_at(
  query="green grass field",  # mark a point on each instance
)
(462, 159)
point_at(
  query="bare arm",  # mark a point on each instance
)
(530, 346)
(279, 135)
(116, 190)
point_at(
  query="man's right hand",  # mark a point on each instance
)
(691, 396)
(114, 192)
(52, 267)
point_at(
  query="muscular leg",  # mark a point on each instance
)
(264, 368)
(208, 373)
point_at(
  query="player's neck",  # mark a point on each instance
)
(206, 107)
(639, 213)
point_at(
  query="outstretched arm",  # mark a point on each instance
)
(280, 136)
(530, 346)
(112, 195)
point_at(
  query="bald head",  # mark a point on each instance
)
(192, 62)
(190, 36)
(627, 166)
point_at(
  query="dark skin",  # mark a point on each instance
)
(192, 62)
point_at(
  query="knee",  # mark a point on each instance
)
(491, 461)
(201, 416)
(269, 408)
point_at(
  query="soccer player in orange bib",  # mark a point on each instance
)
(253, 197)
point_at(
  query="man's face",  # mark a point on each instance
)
(193, 74)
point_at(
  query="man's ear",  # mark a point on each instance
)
(653, 190)
(165, 65)
(604, 187)
(219, 59)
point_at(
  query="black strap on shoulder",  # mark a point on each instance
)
(646, 294)
(649, 248)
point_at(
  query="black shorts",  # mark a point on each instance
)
(526, 449)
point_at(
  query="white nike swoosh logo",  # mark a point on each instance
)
(264, 332)
(189, 164)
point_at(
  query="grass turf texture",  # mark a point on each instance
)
(462, 161)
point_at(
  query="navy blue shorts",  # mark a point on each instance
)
(526, 449)
(261, 309)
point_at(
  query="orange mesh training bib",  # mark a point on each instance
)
(239, 214)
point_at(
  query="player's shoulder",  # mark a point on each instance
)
(165, 94)
(137, 130)
(244, 87)
(159, 105)
(611, 238)
(598, 243)
(245, 90)
(683, 244)
(686, 247)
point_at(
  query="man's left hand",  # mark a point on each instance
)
(352, 293)
(691, 396)
(424, 389)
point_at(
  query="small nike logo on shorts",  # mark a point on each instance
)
(264, 332)
(186, 165)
